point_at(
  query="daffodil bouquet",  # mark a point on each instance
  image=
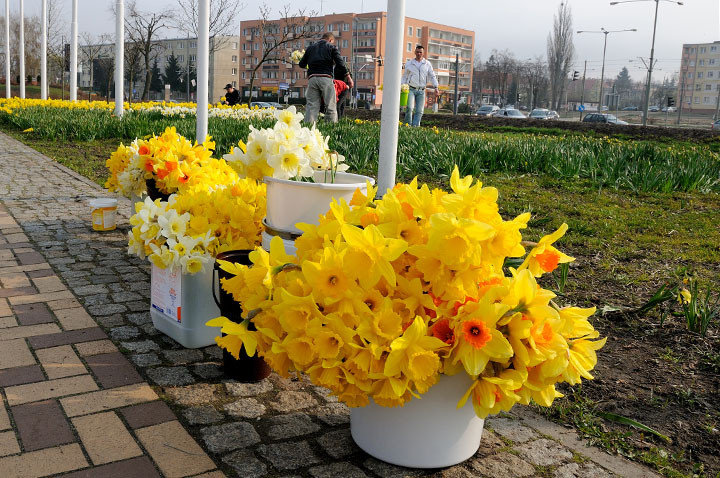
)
(296, 56)
(286, 151)
(166, 158)
(404, 88)
(203, 220)
(386, 295)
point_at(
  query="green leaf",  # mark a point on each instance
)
(633, 423)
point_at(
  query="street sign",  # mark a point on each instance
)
(284, 86)
(581, 108)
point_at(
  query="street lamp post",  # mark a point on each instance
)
(652, 50)
(602, 73)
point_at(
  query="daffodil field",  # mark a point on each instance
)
(427, 152)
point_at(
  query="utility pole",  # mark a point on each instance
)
(649, 76)
(63, 68)
(682, 96)
(457, 61)
(187, 86)
(582, 91)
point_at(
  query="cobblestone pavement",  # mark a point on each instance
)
(82, 368)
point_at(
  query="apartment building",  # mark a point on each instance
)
(223, 65)
(699, 85)
(360, 39)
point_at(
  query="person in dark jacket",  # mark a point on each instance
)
(321, 58)
(232, 96)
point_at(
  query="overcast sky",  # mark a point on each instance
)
(521, 26)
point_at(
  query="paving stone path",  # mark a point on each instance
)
(89, 388)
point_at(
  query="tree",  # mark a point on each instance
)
(278, 35)
(157, 84)
(222, 20)
(133, 64)
(173, 73)
(537, 78)
(499, 68)
(560, 53)
(623, 83)
(143, 29)
(90, 51)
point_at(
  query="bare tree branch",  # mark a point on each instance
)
(223, 15)
(560, 53)
(142, 28)
(277, 36)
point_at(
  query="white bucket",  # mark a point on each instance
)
(429, 432)
(291, 202)
(180, 304)
(104, 213)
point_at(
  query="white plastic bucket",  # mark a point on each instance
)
(104, 214)
(289, 244)
(180, 304)
(291, 202)
(429, 432)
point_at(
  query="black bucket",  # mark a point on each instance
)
(244, 369)
(153, 192)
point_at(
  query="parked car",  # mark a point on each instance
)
(668, 109)
(603, 118)
(275, 105)
(509, 113)
(654, 109)
(604, 108)
(487, 110)
(553, 115)
(261, 104)
(716, 125)
(630, 108)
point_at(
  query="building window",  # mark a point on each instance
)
(409, 46)
(193, 57)
(419, 32)
(706, 100)
(697, 100)
(689, 75)
(346, 27)
(193, 44)
(713, 48)
(234, 71)
(344, 43)
(698, 87)
(256, 46)
(234, 58)
(702, 49)
(700, 74)
(235, 45)
(234, 84)
(331, 27)
(710, 74)
(181, 45)
(701, 63)
(708, 87)
(410, 31)
(692, 62)
(711, 61)
(243, 75)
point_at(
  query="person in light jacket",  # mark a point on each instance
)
(418, 73)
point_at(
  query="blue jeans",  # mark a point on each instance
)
(416, 99)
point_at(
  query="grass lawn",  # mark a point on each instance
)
(627, 244)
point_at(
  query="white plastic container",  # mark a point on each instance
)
(290, 202)
(134, 199)
(104, 214)
(426, 433)
(180, 304)
(288, 243)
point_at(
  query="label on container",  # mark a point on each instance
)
(165, 291)
(103, 219)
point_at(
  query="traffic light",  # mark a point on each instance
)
(380, 61)
(576, 75)
(670, 101)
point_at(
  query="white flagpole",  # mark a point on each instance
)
(119, 57)
(43, 53)
(21, 52)
(391, 95)
(203, 57)
(7, 49)
(73, 51)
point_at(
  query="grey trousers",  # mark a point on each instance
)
(320, 87)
